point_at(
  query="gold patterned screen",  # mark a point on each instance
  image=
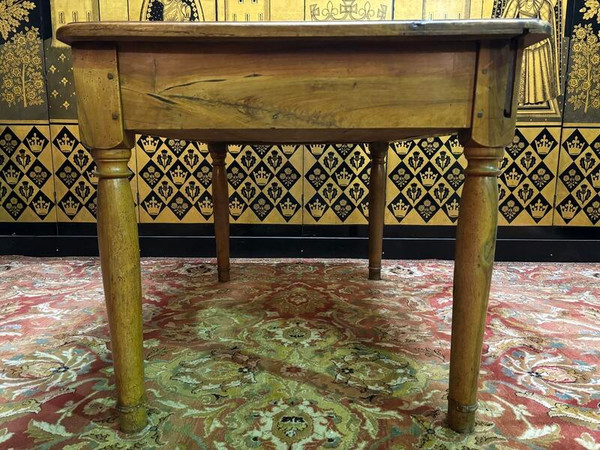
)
(550, 174)
(26, 185)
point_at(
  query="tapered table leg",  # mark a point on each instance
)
(475, 246)
(378, 152)
(120, 260)
(220, 194)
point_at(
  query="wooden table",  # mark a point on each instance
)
(225, 83)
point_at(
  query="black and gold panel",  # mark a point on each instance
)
(527, 184)
(174, 180)
(336, 184)
(549, 175)
(22, 80)
(26, 174)
(425, 179)
(59, 80)
(175, 177)
(75, 175)
(265, 183)
(583, 88)
(578, 189)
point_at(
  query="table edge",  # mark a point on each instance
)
(533, 30)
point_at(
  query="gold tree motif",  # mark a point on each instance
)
(21, 75)
(591, 9)
(584, 76)
(12, 13)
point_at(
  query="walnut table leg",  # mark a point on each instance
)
(120, 260)
(218, 151)
(378, 152)
(475, 246)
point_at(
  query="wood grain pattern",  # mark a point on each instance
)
(96, 77)
(220, 92)
(496, 93)
(532, 29)
(475, 246)
(120, 261)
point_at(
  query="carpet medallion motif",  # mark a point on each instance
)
(298, 354)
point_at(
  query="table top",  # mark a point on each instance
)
(532, 30)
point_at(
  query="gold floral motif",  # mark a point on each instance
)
(584, 77)
(591, 9)
(20, 69)
(12, 14)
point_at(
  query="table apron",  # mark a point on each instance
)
(305, 93)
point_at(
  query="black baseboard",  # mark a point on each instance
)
(581, 248)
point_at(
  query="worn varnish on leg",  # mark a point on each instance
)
(96, 75)
(120, 261)
(475, 245)
(494, 118)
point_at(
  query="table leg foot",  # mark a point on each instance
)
(218, 152)
(120, 261)
(375, 273)
(223, 275)
(462, 419)
(475, 246)
(132, 418)
(377, 184)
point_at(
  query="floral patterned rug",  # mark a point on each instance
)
(298, 354)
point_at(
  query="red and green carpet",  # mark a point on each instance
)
(298, 354)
